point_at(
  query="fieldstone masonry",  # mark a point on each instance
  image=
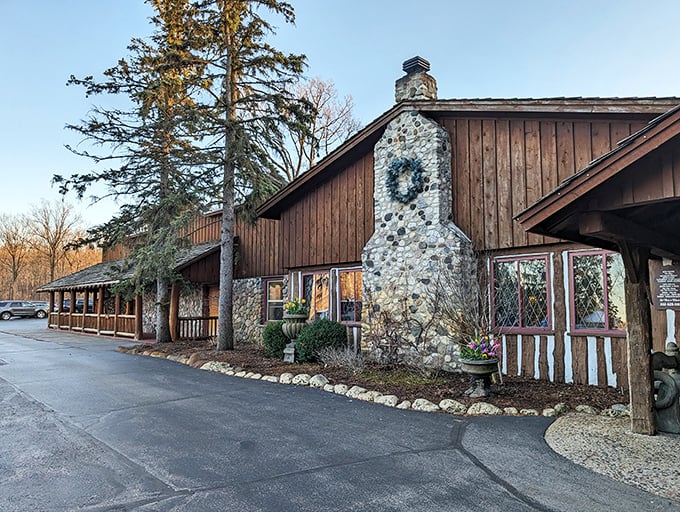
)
(190, 304)
(413, 242)
(247, 309)
(247, 312)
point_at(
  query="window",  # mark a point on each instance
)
(597, 294)
(315, 289)
(349, 296)
(520, 294)
(273, 300)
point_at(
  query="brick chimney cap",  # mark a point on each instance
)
(416, 65)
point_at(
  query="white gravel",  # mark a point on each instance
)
(607, 446)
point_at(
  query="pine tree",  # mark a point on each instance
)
(250, 86)
(152, 150)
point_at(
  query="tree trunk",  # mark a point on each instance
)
(225, 323)
(174, 311)
(163, 310)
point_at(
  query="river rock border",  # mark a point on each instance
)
(447, 405)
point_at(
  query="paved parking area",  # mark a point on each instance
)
(83, 426)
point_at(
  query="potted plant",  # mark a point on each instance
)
(295, 315)
(479, 359)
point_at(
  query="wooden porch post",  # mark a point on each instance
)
(100, 308)
(60, 308)
(639, 330)
(71, 309)
(139, 320)
(174, 312)
(50, 310)
(116, 312)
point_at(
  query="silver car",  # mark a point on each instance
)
(11, 308)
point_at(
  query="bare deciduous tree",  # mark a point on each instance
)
(24, 257)
(333, 123)
(53, 227)
(13, 249)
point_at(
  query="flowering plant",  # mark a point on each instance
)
(297, 306)
(479, 348)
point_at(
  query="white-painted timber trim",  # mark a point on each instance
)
(519, 354)
(592, 360)
(537, 357)
(550, 347)
(568, 363)
(611, 376)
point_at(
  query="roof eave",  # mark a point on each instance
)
(600, 170)
(573, 105)
(272, 208)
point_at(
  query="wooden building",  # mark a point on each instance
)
(193, 310)
(628, 201)
(557, 302)
(568, 324)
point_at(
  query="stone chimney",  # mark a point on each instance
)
(417, 84)
(415, 241)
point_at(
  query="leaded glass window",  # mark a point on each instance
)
(520, 294)
(597, 292)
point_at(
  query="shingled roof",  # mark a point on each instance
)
(108, 273)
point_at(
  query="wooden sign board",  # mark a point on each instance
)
(665, 281)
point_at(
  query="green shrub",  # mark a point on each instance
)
(318, 335)
(274, 340)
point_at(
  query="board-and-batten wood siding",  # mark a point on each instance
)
(500, 166)
(258, 245)
(331, 224)
(590, 360)
(258, 249)
(655, 177)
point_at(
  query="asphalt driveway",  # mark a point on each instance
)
(84, 427)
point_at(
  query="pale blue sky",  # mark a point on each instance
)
(499, 49)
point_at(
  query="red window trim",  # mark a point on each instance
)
(312, 273)
(590, 331)
(338, 298)
(548, 295)
(264, 318)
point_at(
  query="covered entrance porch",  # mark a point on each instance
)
(629, 201)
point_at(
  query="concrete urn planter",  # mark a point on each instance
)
(481, 371)
(292, 325)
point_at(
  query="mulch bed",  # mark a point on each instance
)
(519, 392)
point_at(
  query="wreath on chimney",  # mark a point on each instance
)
(403, 165)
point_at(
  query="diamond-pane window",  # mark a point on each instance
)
(597, 295)
(520, 294)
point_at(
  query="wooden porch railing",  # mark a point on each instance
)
(197, 327)
(110, 325)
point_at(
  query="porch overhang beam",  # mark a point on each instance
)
(617, 229)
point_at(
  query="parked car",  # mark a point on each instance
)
(10, 308)
(41, 308)
(79, 306)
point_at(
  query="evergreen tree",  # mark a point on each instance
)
(251, 100)
(151, 149)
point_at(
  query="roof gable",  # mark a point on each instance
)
(630, 195)
(368, 136)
